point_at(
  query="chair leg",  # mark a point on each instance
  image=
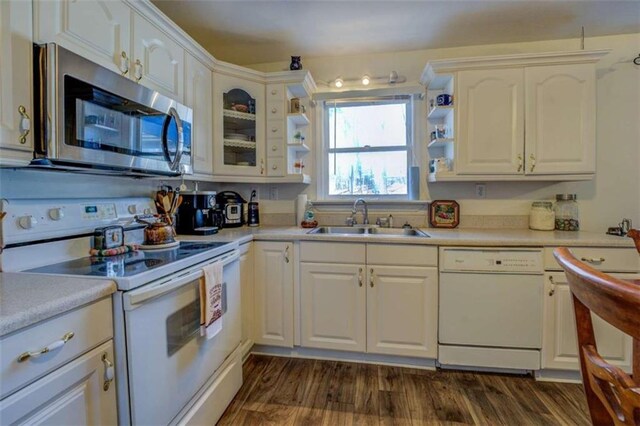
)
(597, 410)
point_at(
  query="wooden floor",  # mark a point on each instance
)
(286, 391)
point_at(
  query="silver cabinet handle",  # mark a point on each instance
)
(520, 163)
(360, 283)
(286, 254)
(109, 372)
(274, 110)
(533, 162)
(274, 148)
(371, 277)
(592, 259)
(274, 167)
(124, 63)
(262, 166)
(25, 124)
(274, 129)
(50, 347)
(553, 286)
(274, 91)
(138, 67)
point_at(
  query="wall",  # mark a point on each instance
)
(613, 194)
(615, 191)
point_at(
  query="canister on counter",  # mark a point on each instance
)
(542, 216)
(567, 213)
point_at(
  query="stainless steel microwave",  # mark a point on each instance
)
(93, 119)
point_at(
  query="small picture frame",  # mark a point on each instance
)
(444, 214)
(295, 106)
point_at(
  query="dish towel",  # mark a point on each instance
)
(211, 300)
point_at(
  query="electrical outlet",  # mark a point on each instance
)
(273, 193)
(251, 189)
(481, 190)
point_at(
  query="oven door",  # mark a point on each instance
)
(167, 359)
(104, 120)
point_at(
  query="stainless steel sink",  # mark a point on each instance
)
(399, 232)
(337, 230)
(412, 232)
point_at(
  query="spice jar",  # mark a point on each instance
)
(542, 216)
(567, 213)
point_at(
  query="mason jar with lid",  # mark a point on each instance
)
(567, 213)
(542, 216)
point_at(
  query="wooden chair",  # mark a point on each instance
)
(612, 395)
(635, 234)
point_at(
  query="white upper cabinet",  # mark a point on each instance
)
(99, 30)
(158, 61)
(111, 34)
(490, 121)
(198, 95)
(16, 108)
(518, 117)
(238, 124)
(561, 119)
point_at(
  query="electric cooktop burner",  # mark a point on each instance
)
(128, 264)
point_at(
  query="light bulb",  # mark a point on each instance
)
(366, 80)
(339, 83)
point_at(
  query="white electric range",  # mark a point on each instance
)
(162, 364)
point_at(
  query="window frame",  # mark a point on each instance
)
(323, 173)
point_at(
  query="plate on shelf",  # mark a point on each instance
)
(236, 136)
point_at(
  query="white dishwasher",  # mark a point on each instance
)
(491, 304)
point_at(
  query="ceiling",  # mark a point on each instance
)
(251, 32)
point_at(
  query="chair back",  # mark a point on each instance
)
(635, 234)
(612, 395)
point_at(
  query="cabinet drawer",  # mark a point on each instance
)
(91, 326)
(401, 255)
(275, 129)
(275, 147)
(275, 109)
(332, 252)
(275, 92)
(275, 166)
(604, 259)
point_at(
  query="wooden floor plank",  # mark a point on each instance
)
(281, 391)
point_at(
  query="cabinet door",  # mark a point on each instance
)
(72, 395)
(490, 122)
(333, 300)
(99, 30)
(198, 95)
(16, 54)
(560, 115)
(239, 141)
(158, 61)
(560, 341)
(273, 297)
(402, 311)
(246, 287)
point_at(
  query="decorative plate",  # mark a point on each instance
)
(444, 214)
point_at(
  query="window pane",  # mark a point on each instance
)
(373, 125)
(368, 173)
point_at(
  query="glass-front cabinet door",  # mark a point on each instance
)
(239, 127)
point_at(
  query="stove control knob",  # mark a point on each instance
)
(132, 209)
(27, 222)
(56, 214)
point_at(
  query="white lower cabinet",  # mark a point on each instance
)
(402, 311)
(246, 287)
(273, 293)
(333, 314)
(74, 394)
(560, 343)
(375, 308)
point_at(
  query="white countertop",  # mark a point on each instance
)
(439, 237)
(26, 299)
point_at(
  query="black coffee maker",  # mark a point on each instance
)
(198, 213)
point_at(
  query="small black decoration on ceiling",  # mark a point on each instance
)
(296, 63)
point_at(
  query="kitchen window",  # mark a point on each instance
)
(367, 147)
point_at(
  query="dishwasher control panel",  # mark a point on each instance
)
(500, 260)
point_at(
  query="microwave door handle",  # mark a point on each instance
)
(175, 164)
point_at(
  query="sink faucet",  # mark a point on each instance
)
(365, 210)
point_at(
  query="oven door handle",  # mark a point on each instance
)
(175, 163)
(136, 298)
